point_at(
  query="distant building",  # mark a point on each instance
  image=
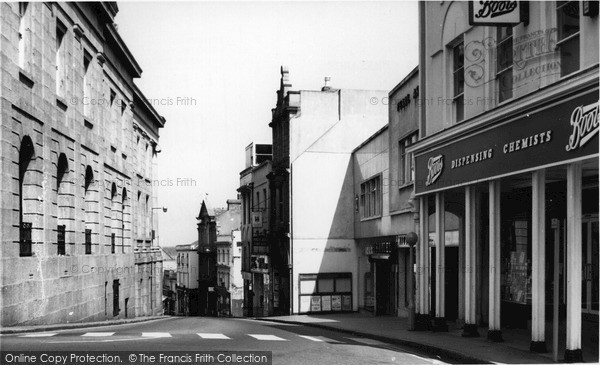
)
(236, 288)
(313, 252)
(170, 266)
(187, 280)
(169, 255)
(170, 292)
(260, 299)
(229, 282)
(77, 166)
(208, 297)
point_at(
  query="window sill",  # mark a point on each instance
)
(87, 122)
(401, 211)
(406, 185)
(370, 218)
(61, 103)
(26, 78)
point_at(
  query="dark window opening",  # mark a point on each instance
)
(116, 308)
(88, 241)
(60, 239)
(26, 154)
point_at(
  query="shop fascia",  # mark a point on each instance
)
(559, 133)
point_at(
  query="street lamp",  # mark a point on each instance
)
(411, 238)
(164, 209)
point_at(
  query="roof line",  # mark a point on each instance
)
(404, 80)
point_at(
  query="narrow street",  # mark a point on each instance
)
(290, 344)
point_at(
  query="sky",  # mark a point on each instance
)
(212, 70)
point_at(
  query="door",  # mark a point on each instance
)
(589, 246)
(385, 290)
(451, 282)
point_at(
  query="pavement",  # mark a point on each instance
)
(65, 326)
(445, 345)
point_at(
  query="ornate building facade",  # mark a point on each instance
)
(78, 139)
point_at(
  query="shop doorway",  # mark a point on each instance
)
(589, 288)
(451, 282)
(385, 288)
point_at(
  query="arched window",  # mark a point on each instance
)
(62, 200)
(88, 200)
(26, 155)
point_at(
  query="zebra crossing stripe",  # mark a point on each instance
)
(98, 334)
(39, 335)
(267, 337)
(213, 336)
(320, 339)
(312, 338)
(156, 334)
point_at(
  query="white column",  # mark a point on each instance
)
(494, 332)
(574, 265)
(538, 261)
(470, 288)
(440, 269)
(424, 257)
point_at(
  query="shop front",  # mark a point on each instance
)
(517, 195)
(383, 275)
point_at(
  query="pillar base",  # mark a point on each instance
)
(572, 356)
(421, 322)
(495, 336)
(538, 346)
(438, 324)
(470, 330)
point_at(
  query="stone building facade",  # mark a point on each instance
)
(77, 141)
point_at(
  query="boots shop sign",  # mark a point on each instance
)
(493, 12)
(552, 134)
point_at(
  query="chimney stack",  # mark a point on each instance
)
(327, 86)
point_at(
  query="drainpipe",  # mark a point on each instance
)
(290, 235)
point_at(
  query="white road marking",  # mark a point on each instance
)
(98, 334)
(47, 334)
(267, 337)
(320, 339)
(156, 334)
(213, 336)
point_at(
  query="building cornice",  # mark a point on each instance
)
(139, 99)
(121, 48)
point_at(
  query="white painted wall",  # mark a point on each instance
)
(328, 128)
